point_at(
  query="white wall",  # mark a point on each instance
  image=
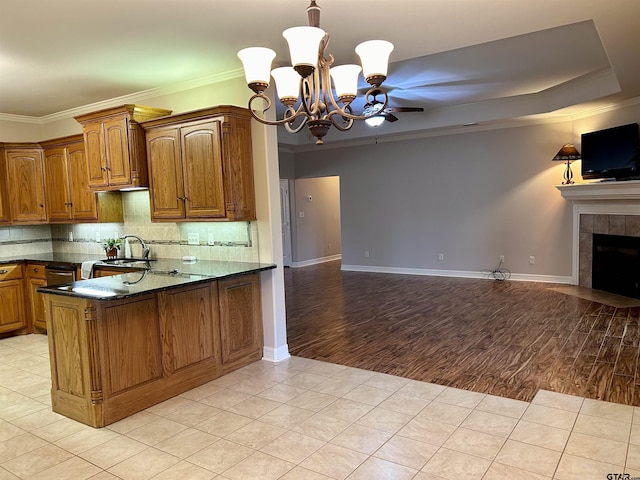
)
(471, 196)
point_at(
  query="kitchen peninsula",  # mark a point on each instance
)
(120, 344)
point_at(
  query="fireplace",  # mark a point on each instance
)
(616, 264)
(607, 228)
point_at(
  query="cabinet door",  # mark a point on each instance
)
(240, 319)
(5, 215)
(57, 184)
(26, 185)
(202, 168)
(84, 203)
(12, 315)
(165, 174)
(96, 162)
(116, 143)
(36, 300)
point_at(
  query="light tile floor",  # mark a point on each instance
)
(308, 420)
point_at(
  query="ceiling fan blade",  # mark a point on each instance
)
(389, 117)
(404, 109)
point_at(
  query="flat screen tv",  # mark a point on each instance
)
(611, 153)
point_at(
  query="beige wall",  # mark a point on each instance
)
(471, 196)
(316, 236)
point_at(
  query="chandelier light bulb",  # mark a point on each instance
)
(304, 45)
(257, 64)
(345, 81)
(287, 84)
(374, 56)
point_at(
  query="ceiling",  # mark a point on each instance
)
(464, 61)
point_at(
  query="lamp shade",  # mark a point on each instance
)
(304, 44)
(287, 82)
(374, 56)
(345, 80)
(257, 64)
(567, 152)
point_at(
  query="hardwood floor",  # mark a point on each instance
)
(505, 338)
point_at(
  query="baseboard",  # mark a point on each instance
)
(275, 355)
(316, 261)
(522, 277)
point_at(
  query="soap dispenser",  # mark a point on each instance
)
(127, 248)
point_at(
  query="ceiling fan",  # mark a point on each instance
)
(384, 114)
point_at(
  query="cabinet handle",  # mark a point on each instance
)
(68, 204)
(182, 198)
(35, 270)
(2, 272)
(41, 205)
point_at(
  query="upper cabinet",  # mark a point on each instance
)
(5, 215)
(115, 146)
(201, 166)
(66, 179)
(25, 183)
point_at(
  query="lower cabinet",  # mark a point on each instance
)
(110, 359)
(12, 305)
(240, 319)
(36, 279)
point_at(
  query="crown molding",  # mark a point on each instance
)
(130, 98)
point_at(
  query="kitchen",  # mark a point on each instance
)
(205, 242)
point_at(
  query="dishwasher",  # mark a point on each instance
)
(59, 274)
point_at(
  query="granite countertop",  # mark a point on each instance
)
(159, 274)
(53, 257)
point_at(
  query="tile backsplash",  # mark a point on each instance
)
(225, 241)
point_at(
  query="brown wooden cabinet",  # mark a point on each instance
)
(240, 319)
(201, 166)
(110, 359)
(12, 305)
(5, 214)
(66, 184)
(115, 146)
(25, 183)
(36, 278)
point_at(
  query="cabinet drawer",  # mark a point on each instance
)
(35, 271)
(10, 271)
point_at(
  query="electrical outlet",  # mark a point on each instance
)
(301, 214)
(366, 253)
(441, 257)
(211, 240)
(532, 260)
(501, 258)
(329, 246)
(71, 236)
(193, 238)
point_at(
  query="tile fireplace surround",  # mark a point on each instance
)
(611, 208)
(625, 225)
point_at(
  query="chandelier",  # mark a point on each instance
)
(307, 83)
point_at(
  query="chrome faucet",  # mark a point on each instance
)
(145, 248)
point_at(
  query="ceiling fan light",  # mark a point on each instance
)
(287, 84)
(304, 45)
(375, 121)
(257, 64)
(374, 56)
(345, 80)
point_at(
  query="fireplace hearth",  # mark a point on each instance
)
(616, 264)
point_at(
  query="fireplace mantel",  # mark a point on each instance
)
(624, 190)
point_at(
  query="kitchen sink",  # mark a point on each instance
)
(127, 262)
